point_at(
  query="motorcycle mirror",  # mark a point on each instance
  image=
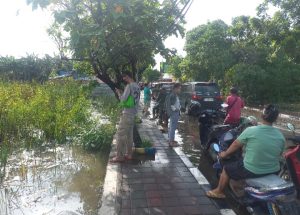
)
(216, 147)
(224, 105)
(291, 127)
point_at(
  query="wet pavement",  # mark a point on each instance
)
(189, 140)
(164, 185)
(62, 180)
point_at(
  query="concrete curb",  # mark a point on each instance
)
(110, 201)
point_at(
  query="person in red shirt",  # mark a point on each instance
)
(235, 105)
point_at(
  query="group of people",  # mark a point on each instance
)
(263, 144)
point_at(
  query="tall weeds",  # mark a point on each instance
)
(51, 111)
(34, 114)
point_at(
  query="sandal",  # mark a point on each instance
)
(213, 195)
(116, 160)
(129, 158)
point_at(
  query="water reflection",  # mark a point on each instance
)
(62, 180)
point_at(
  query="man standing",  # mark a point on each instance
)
(124, 136)
(173, 112)
(235, 105)
(158, 109)
(161, 99)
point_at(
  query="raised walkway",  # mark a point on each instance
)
(168, 184)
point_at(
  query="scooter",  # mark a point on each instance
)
(291, 165)
(225, 136)
(209, 124)
(268, 195)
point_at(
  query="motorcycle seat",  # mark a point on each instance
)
(217, 127)
(268, 184)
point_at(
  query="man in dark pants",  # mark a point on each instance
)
(160, 103)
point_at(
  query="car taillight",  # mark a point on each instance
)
(195, 96)
(219, 97)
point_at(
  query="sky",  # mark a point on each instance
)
(24, 31)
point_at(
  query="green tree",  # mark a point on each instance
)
(174, 67)
(117, 35)
(208, 48)
(29, 68)
(151, 75)
(290, 9)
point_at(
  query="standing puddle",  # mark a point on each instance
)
(65, 180)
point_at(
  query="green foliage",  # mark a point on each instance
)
(30, 68)
(55, 112)
(114, 35)
(146, 143)
(109, 107)
(97, 138)
(48, 112)
(290, 8)
(151, 75)
(177, 68)
(259, 55)
(34, 114)
(208, 50)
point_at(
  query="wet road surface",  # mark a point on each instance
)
(189, 140)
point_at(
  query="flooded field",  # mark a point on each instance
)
(65, 180)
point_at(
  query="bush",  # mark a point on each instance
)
(55, 112)
(146, 144)
(32, 111)
(97, 138)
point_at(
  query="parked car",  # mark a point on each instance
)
(200, 96)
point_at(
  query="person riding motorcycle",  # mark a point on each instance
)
(264, 146)
(235, 105)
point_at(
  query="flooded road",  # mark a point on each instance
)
(65, 180)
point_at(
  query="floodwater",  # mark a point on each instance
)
(65, 180)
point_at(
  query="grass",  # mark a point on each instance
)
(146, 143)
(55, 113)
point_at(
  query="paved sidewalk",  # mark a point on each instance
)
(162, 186)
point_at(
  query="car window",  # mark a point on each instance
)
(207, 90)
(168, 87)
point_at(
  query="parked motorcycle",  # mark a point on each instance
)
(225, 135)
(268, 195)
(209, 123)
(291, 165)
